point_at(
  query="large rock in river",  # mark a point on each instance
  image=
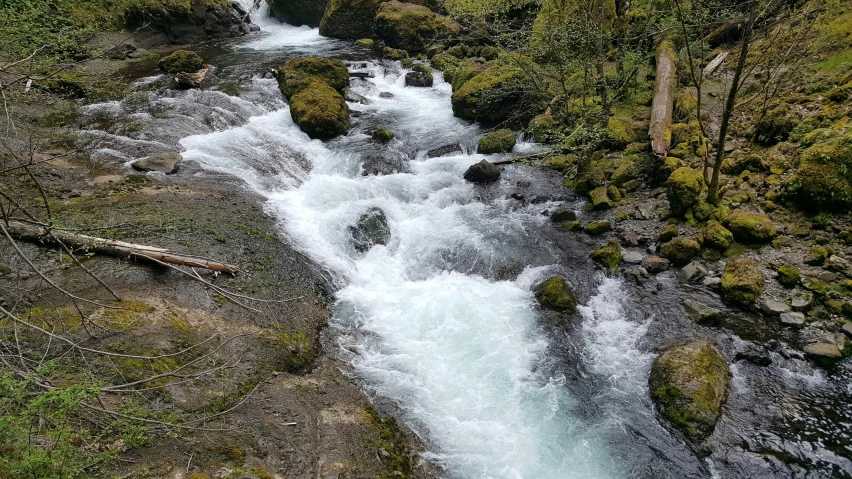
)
(166, 163)
(371, 229)
(556, 295)
(298, 12)
(297, 74)
(412, 27)
(690, 384)
(496, 94)
(181, 61)
(482, 172)
(320, 111)
(350, 19)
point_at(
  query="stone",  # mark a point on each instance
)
(793, 319)
(596, 228)
(600, 198)
(712, 283)
(298, 12)
(837, 264)
(562, 215)
(742, 281)
(754, 354)
(181, 61)
(320, 111)
(816, 256)
(482, 172)
(350, 19)
(669, 233)
(689, 385)
(166, 163)
(702, 313)
(656, 265)
(554, 294)
(691, 272)
(827, 276)
(492, 95)
(300, 73)
(789, 275)
(371, 229)
(774, 308)
(633, 257)
(412, 27)
(382, 135)
(717, 236)
(802, 301)
(500, 141)
(645, 211)
(186, 81)
(751, 228)
(630, 238)
(420, 77)
(609, 255)
(824, 354)
(680, 250)
(847, 329)
(683, 188)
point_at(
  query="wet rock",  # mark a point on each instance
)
(186, 81)
(680, 250)
(656, 265)
(500, 141)
(412, 27)
(563, 214)
(638, 274)
(754, 354)
(371, 229)
(298, 12)
(301, 73)
(555, 294)
(320, 111)
(386, 95)
(482, 172)
(350, 19)
(596, 228)
(683, 188)
(827, 276)
(421, 77)
(847, 329)
(702, 313)
(742, 281)
(690, 384)
(802, 301)
(774, 308)
(824, 353)
(633, 257)
(609, 255)
(166, 163)
(444, 150)
(382, 135)
(630, 238)
(751, 228)
(691, 272)
(793, 319)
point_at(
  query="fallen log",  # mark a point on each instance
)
(714, 65)
(91, 244)
(660, 129)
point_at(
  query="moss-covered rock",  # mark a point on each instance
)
(541, 128)
(493, 95)
(500, 141)
(690, 384)
(683, 189)
(668, 233)
(743, 162)
(775, 126)
(742, 281)
(600, 198)
(382, 135)
(751, 228)
(181, 61)
(717, 236)
(412, 27)
(824, 177)
(620, 132)
(443, 61)
(389, 53)
(609, 255)
(299, 73)
(817, 256)
(350, 19)
(420, 76)
(597, 227)
(789, 275)
(668, 166)
(462, 72)
(627, 170)
(298, 12)
(555, 294)
(365, 42)
(320, 111)
(680, 250)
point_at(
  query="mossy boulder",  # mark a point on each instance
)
(669, 233)
(500, 141)
(462, 72)
(789, 275)
(443, 61)
(742, 281)
(683, 189)
(350, 19)
(420, 76)
(620, 132)
(689, 385)
(181, 61)
(541, 127)
(320, 111)
(298, 12)
(680, 250)
(609, 255)
(717, 236)
(389, 53)
(382, 135)
(482, 172)
(299, 73)
(775, 126)
(412, 27)
(599, 227)
(365, 42)
(601, 199)
(555, 294)
(627, 170)
(823, 180)
(493, 95)
(751, 228)
(743, 162)
(817, 256)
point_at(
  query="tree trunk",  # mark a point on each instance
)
(37, 234)
(660, 129)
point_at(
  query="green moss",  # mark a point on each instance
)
(601, 199)
(493, 95)
(609, 255)
(394, 54)
(560, 162)
(573, 226)
(500, 141)
(776, 125)
(542, 128)
(683, 189)
(620, 132)
(462, 72)
(412, 27)
(391, 444)
(181, 61)
(717, 236)
(320, 111)
(596, 228)
(382, 135)
(668, 233)
(751, 228)
(742, 281)
(626, 171)
(365, 42)
(300, 73)
(817, 256)
(824, 177)
(443, 61)
(788, 275)
(622, 216)
(556, 295)
(743, 162)
(680, 250)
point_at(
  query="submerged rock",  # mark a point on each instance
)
(482, 172)
(370, 230)
(382, 135)
(690, 384)
(166, 163)
(556, 295)
(702, 313)
(742, 282)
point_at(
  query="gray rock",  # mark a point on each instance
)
(802, 301)
(166, 163)
(847, 329)
(702, 313)
(796, 320)
(691, 272)
(712, 283)
(370, 230)
(837, 264)
(632, 257)
(563, 214)
(774, 308)
(630, 238)
(754, 354)
(823, 351)
(827, 276)
(655, 264)
(419, 79)
(645, 211)
(185, 81)
(482, 172)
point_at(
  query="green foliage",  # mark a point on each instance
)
(392, 444)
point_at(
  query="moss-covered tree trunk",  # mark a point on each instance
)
(663, 104)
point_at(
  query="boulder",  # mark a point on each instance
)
(500, 141)
(609, 255)
(166, 163)
(597, 227)
(185, 81)
(751, 228)
(389, 53)
(793, 319)
(789, 275)
(382, 135)
(541, 127)
(742, 281)
(298, 12)
(460, 73)
(421, 76)
(443, 61)
(181, 61)
(824, 353)
(837, 264)
(563, 214)
(555, 294)
(717, 236)
(297, 74)
(680, 250)
(701, 313)
(817, 256)
(802, 301)
(350, 19)
(494, 95)
(683, 189)
(690, 384)
(669, 233)
(691, 272)
(823, 180)
(371, 229)
(482, 172)
(600, 198)
(412, 27)
(656, 265)
(320, 111)
(754, 354)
